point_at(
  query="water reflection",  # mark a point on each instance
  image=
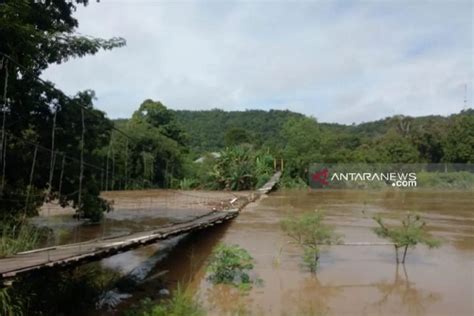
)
(223, 299)
(311, 298)
(403, 293)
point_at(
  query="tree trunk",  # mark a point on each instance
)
(404, 254)
(396, 253)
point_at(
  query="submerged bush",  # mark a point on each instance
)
(230, 264)
(309, 231)
(411, 232)
(181, 303)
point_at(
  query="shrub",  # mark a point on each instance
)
(241, 168)
(309, 231)
(288, 182)
(230, 264)
(181, 303)
(187, 184)
(410, 233)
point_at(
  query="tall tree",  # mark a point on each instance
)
(152, 154)
(34, 35)
(303, 139)
(459, 146)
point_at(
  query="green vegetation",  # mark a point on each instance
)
(18, 238)
(309, 232)
(150, 152)
(397, 139)
(462, 180)
(62, 148)
(32, 109)
(410, 233)
(47, 134)
(241, 168)
(181, 303)
(9, 306)
(27, 296)
(230, 264)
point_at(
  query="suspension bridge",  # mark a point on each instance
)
(57, 167)
(74, 254)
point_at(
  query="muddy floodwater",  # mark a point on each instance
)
(351, 280)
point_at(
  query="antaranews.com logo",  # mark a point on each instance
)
(362, 175)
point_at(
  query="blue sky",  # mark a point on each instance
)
(339, 61)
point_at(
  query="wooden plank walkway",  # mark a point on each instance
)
(79, 253)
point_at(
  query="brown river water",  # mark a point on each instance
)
(351, 280)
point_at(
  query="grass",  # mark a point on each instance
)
(181, 303)
(446, 180)
(18, 237)
(8, 305)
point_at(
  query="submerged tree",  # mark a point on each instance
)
(309, 231)
(411, 232)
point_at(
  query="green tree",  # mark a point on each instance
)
(157, 115)
(32, 107)
(303, 139)
(395, 148)
(309, 231)
(236, 136)
(459, 146)
(410, 233)
(151, 153)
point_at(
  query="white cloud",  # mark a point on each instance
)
(327, 59)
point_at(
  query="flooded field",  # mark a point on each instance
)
(351, 280)
(361, 280)
(133, 211)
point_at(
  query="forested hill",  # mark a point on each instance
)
(207, 129)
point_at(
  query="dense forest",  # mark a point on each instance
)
(399, 138)
(301, 141)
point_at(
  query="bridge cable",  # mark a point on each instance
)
(3, 146)
(61, 177)
(28, 189)
(53, 157)
(107, 167)
(81, 171)
(74, 102)
(126, 165)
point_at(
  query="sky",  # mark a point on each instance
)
(338, 61)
